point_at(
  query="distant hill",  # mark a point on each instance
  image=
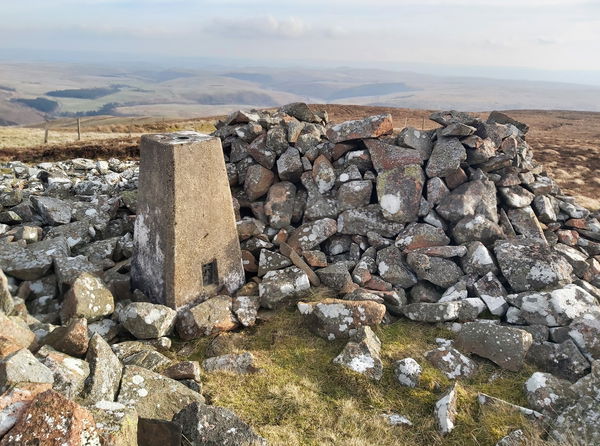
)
(29, 91)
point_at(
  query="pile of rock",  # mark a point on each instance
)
(456, 225)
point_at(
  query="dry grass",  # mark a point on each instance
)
(302, 398)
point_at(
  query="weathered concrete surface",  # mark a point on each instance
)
(185, 223)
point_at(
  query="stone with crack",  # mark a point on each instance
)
(69, 373)
(529, 265)
(310, 235)
(361, 354)
(282, 285)
(207, 318)
(370, 127)
(105, 372)
(563, 360)
(335, 318)
(446, 156)
(392, 268)
(439, 271)
(505, 346)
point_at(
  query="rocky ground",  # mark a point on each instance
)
(408, 287)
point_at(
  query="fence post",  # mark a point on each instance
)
(46, 133)
(78, 129)
(423, 124)
(405, 121)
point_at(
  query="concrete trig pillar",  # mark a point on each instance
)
(186, 242)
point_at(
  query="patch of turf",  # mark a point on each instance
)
(302, 398)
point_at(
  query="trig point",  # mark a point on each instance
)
(186, 242)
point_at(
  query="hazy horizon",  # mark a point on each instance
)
(537, 40)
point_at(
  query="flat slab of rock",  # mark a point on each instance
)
(335, 318)
(530, 265)
(371, 127)
(506, 346)
(209, 317)
(242, 363)
(23, 367)
(154, 395)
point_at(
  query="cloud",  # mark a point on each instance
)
(269, 27)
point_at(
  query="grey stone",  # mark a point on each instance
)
(451, 362)
(563, 360)
(371, 127)
(153, 395)
(69, 373)
(271, 261)
(52, 210)
(439, 271)
(204, 425)
(408, 372)
(530, 265)
(445, 411)
(245, 309)
(446, 157)
(545, 392)
(309, 235)
(393, 269)
(281, 285)
(368, 219)
(22, 367)
(88, 297)
(361, 354)
(145, 320)
(207, 318)
(505, 346)
(239, 364)
(334, 318)
(103, 381)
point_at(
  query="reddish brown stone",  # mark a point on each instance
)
(53, 420)
(316, 259)
(378, 284)
(568, 237)
(456, 178)
(8, 346)
(387, 156)
(370, 127)
(249, 262)
(340, 150)
(15, 401)
(72, 339)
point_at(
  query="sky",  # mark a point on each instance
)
(535, 39)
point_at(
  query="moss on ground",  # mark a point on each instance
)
(302, 398)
